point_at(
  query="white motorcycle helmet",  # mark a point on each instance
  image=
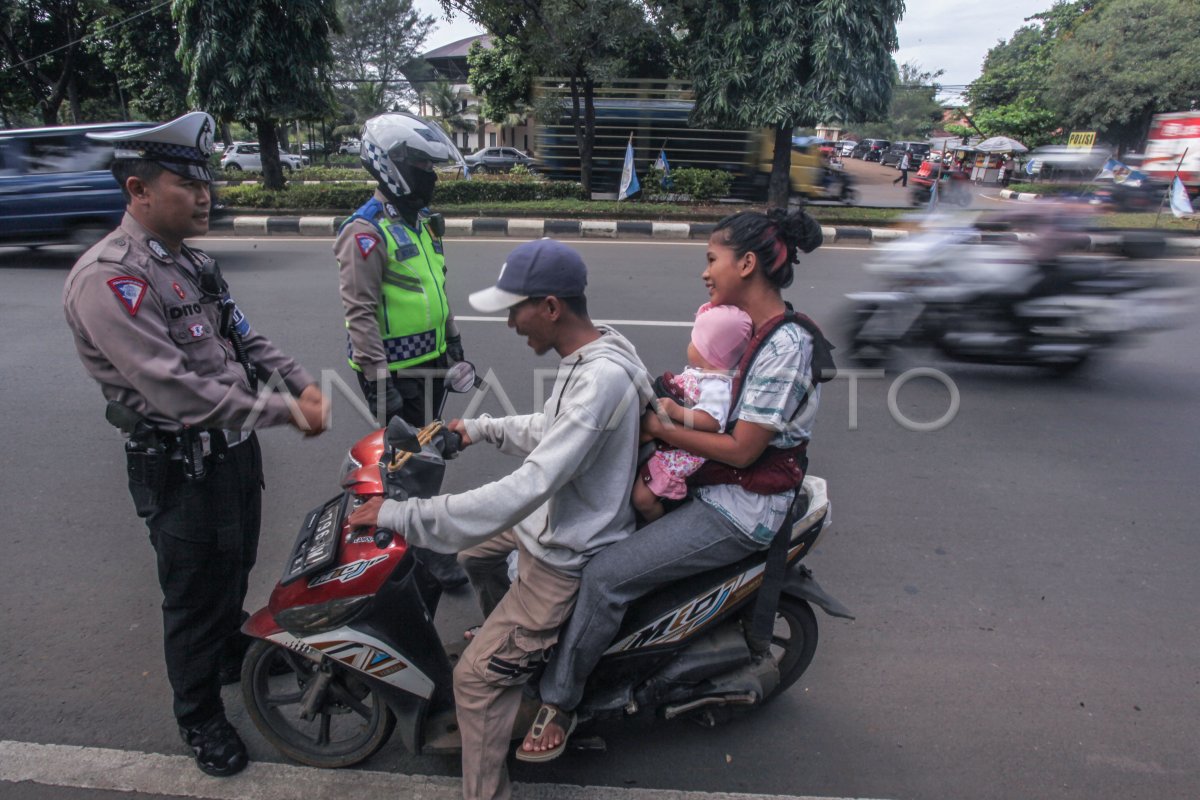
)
(401, 151)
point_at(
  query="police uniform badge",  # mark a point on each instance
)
(130, 291)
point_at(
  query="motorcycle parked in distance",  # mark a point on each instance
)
(346, 651)
(1001, 304)
(953, 187)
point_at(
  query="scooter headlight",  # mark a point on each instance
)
(320, 617)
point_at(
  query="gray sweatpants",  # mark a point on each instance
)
(691, 539)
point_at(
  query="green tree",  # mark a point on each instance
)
(259, 61)
(914, 110)
(43, 61)
(1125, 62)
(502, 78)
(137, 45)
(380, 43)
(1009, 97)
(585, 42)
(447, 108)
(779, 65)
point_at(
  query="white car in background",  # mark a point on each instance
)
(247, 156)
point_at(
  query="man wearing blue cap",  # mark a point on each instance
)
(180, 365)
(567, 500)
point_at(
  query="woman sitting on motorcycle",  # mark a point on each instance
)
(750, 257)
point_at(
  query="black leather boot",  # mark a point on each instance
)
(218, 748)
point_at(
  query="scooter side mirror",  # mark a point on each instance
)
(461, 377)
(402, 436)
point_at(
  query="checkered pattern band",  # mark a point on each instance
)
(402, 348)
(159, 150)
(380, 166)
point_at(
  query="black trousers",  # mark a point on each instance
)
(411, 385)
(205, 535)
(439, 567)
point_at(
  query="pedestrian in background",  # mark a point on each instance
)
(180, 365)
(402, 335)
(903, 167)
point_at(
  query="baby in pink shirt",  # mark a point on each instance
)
(719, 338)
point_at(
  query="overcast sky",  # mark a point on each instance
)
(953, 35)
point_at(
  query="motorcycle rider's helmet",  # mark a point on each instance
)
(401, 151)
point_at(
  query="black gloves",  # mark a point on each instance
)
(454, 348)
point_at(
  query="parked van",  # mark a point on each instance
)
(917, 152)
(55, 185)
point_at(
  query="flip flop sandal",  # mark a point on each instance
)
(545, 716)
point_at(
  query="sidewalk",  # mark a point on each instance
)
(520, 228)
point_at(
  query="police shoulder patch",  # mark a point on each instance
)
(366, 243)
(129, 290)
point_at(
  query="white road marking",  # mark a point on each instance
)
(127, 771)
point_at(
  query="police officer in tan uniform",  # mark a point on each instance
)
(392, 274)
(188, 379)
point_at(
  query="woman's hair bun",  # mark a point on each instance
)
(799, 230)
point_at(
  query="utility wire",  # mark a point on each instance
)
(105, 29)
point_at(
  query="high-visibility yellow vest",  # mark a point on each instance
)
(413, 308)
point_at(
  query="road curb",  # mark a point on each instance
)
(522, 228)
(1009, 194)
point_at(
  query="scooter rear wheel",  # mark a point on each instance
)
(351, 721)
(793, 642)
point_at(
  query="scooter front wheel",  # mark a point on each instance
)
(348, 722)
(793, 642)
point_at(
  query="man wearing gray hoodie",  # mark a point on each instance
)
(567, 500)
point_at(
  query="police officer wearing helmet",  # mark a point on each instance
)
(400, 328)
(187, 379)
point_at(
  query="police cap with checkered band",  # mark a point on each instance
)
(395, 144)
(182, 145)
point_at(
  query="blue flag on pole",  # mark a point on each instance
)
(1181, 204)
(665, 168)
(629, 178)
(933, 193)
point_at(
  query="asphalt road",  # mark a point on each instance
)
(1023, 578)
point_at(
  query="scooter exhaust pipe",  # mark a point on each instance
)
(747, 699)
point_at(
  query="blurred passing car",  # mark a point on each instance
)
(55, 185)
(248, 156)
(497, 159)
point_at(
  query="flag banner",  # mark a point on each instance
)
(1111, 169)
(629, 178)
(933, 195)
(664, 167)
(1181, 204)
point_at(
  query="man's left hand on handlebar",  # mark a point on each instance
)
(366, 515)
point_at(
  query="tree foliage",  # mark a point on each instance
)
(502, 78)
(1124, 62)
(914, 111)
(765, 63)
(260, 62)
(585, 42)
(43, 60)
(379, 45)
(137, 45)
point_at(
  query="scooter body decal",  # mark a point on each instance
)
(370, 656)
(689, 618)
